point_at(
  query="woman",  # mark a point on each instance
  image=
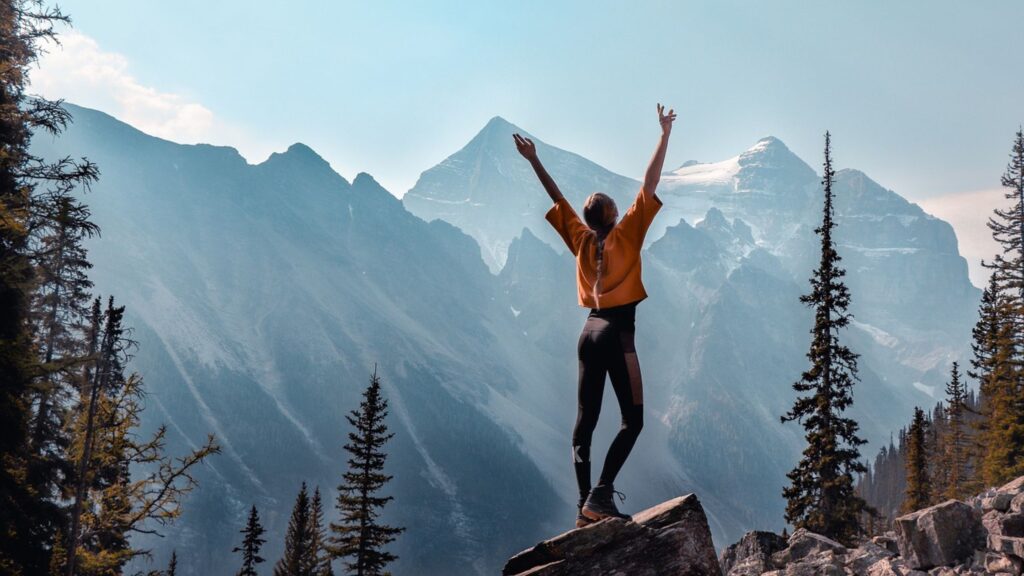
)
(608, 282)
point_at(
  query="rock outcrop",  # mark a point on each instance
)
(942, 535)
(984, 535)
(752, 555)
(670, 539)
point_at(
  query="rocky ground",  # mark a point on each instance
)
(984, 535)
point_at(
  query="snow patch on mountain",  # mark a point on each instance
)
(713, 173)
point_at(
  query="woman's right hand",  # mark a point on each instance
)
(525, 147)
(665, 119)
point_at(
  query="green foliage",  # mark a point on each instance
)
(359, 535)
(955, 442)
(251, 544)
(918, 485)
(30, 192)
(999, 337)
(821, 496)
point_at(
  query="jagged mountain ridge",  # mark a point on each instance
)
(723, 335)
(265, 293)
(262, 295)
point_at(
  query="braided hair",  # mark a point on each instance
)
(598, 214)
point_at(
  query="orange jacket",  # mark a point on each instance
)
(620, 282)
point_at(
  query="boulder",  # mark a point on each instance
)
(1017, 504)
(1013, 487)
(887, 541)
(892, 567)
(822, 563)
(804, 543)
(999, 524)
(670, 539)
(1001, 563)
(865, 556)
(1000, 502)
(1006, 545)
(941, 535)
(752, 555)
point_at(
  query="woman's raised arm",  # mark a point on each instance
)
(653, 175)
(529, 151)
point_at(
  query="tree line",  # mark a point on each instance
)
(77, 478)
(971, 440)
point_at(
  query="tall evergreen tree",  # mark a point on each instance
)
(251, 544)
(319, 549)
(59, 316)
(299, 557)
(172, 566)
(989, 369)
(359, 534)
(28, 518)
(1002, 438)
(955, 443)
(822, 497)
(918, 485)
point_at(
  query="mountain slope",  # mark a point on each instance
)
(262, 296)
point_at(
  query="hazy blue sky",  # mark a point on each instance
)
(920, 95)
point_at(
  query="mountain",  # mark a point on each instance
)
(263, 295)
(723, 335)
(488, 191)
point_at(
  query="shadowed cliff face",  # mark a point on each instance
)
(263, 294)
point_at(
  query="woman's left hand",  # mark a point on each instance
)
(525, 146)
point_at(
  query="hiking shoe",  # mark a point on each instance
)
(582, 520)
(600, 503)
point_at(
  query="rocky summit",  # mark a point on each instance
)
(670, 539)
(984, 535)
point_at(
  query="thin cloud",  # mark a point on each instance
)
(83, 73)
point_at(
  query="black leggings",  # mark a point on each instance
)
(606, 347)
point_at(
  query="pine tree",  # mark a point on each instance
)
(28, 518)
(172, 566)
(821, 496)
(299, 557)
(1002, 438)
(918, 485)
(109, 503)
(359, 535)
(319, 551)
(955, 445)
(988, 368)
(935, 445)
(60, 309)
(251, 544)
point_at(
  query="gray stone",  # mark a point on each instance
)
(995, 562)
(1000, 501)
(822, 563)
(804, 543)
(1017, 504)
(752, 555)
(892, 567)
(1006, 545)
(888, 542)
(1013, 487)
(670, 539)
(941, 535)
(860, 559)
(999, 524)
